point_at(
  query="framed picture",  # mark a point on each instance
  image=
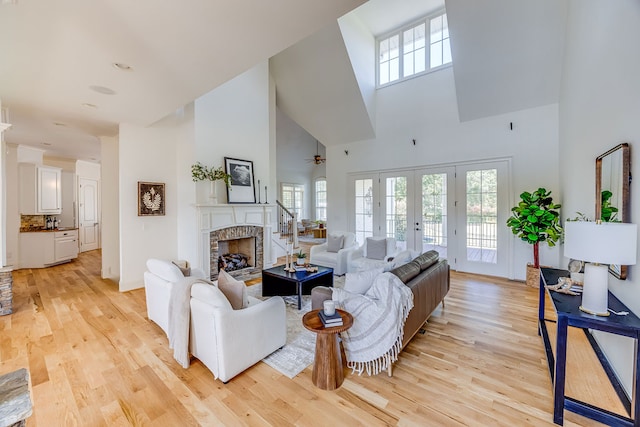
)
(150, 198)
(242, 189)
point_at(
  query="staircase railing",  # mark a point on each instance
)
(287, 224)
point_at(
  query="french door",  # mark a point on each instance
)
(455, 210)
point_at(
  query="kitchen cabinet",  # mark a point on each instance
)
(40, 249)
(40, 189)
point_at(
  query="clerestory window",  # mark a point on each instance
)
(414, 49)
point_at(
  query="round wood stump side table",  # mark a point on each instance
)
(327, 366)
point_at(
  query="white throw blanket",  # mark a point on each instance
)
(180, 318)
(375, 339)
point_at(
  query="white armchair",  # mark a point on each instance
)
(334, 252)
(229, 341)
(375, 252)
(160, 277)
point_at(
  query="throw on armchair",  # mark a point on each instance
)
(335, 251)
(374, 253)
(160, 277)
(229, 341)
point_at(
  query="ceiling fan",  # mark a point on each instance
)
(317, 159)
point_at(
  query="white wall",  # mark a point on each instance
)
(12, 214)
(110, 208)
(295, 147)
(425, 109)
(233, 121)
(146, 154)
(599, 108)
(88, 170)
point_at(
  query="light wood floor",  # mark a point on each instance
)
(96, 360)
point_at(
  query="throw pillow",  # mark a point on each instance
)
(427, 259)
(234, 290)
(359, 283)
(334, 242)
(376, 248)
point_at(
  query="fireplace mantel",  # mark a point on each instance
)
(212, 217)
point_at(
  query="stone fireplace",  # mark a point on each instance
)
(235, 229)
(244, 240)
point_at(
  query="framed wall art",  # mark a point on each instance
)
(242, 188)
(150, 198)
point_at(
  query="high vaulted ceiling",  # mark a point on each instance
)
(56, 60)
(57, 57)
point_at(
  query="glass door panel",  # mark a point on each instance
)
(436, 217)
(396, 210)
(364, 209)
(482, 208)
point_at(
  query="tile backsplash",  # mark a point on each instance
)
(29, 222)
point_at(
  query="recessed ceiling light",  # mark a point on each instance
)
(46, 143)
(86, 104)
(103, 90)
(122, 66)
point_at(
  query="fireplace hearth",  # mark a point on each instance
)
(238, 250)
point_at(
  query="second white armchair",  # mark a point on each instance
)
(335, 251)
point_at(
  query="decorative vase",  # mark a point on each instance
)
(213, 195)
(300, 261)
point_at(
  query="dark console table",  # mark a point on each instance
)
(569, 314)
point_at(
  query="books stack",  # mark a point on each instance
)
(329, 321)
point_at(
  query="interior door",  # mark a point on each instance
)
(482, 207)
(88, 214)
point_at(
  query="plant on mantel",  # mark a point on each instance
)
(536, 220)
(200, 172)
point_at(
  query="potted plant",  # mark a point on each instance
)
(320, 223)
(300, 257)
(536, 219)
(200, 172)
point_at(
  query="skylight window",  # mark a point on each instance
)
(405, 52)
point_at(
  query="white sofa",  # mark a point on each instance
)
(160, 276)
(225, 340)
(359, 260)
(322, 254)
(229, 341)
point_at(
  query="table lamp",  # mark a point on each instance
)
(599, 244)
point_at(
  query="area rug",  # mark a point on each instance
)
(311, 239)
(299, 350)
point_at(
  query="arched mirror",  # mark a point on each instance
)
(613, 177)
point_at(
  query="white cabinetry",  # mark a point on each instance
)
(44, 248)
(65, 245)
(40, 189)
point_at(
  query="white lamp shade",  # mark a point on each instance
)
(604, 243)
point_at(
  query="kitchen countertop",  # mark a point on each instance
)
(44, 230)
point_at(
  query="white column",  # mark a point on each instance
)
(3, 192)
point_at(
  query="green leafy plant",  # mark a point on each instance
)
(608, 212)
(536, 219)
(301, 254)
(200, 172)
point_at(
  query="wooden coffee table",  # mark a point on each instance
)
(276, 281)
(327, 365)
(319, 233)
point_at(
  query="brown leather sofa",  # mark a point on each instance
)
(429, 279)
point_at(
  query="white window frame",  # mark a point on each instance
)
(298, 189)
(400, 32)
(317, 207)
